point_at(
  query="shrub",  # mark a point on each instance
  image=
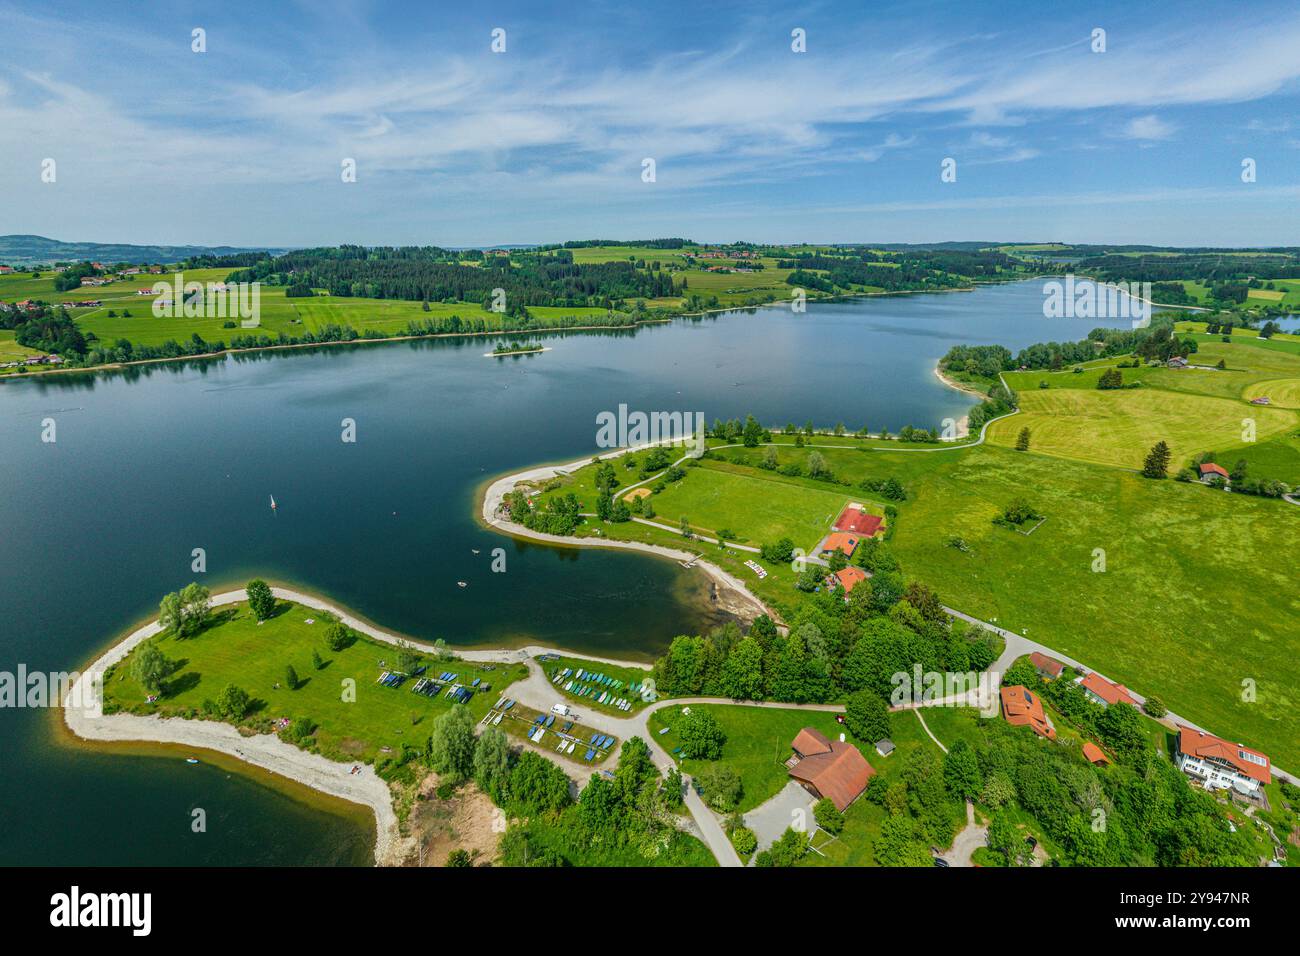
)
(743, 839)
(828, 816)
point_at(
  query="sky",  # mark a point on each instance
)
(456, 144)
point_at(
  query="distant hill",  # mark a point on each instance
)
(16, 249)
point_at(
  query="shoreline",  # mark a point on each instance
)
(87, 725)
(959, 386)
(360, 340)
(744, 603)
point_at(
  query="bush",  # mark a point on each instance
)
(338, 636)
(867, 716)
(828, 816)
(743, 839)
(1155, 707)
(721, 787)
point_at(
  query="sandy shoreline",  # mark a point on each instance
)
(959, 386)
(737, 596)
(84, 717)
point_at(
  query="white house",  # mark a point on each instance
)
(1219, 764)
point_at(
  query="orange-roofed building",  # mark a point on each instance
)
(830, 769)
(1094, 754)
(848, 578)
(1022, 708)
(1210, 469)
(1219, 764)
(1046, 666)
(1102, 691)
(841, 541)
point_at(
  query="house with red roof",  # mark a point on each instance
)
(1048, 667)
(1209, 470)
(830, 769)
(1021, 707)
(1101, 691)
(1218, 764)
(855, 518)
(847, 578)
(1094, 754)
(840, 541)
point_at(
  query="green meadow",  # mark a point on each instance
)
(773, 507)
(1193, 410)
(235, 649)
(1196, 597)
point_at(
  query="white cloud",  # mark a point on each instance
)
(1149, 127)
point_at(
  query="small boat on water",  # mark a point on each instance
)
(463, 584)
(475, 550)
(190, 760)
(272, 502)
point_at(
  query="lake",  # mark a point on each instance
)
(154, 462)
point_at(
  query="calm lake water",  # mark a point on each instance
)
(153, 463)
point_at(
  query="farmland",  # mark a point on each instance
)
(1165, 543)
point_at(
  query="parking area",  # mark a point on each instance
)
(769, 820)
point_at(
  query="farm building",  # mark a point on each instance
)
(828, 768)
(1048, 667)
(1209, 469)
(1101, 691)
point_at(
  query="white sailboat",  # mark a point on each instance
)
(272, 502)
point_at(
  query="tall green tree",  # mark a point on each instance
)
(492, 762)
(150, 667)
(260, 599)
(1157, 462)
(451, 744)
(867, 715)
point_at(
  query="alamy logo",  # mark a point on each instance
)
(624, 429)
(75, 908)
(212, 300)
(35, 689)
(1087, 299)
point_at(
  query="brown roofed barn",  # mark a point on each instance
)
(829, 768)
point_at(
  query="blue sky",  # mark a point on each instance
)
(457, 145)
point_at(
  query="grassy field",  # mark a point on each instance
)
(771, 506)
(10, 350)
(235, 649)
(1119, 427)
(1162, 618)
(758, 743)
(1193, 410)
(277, 313)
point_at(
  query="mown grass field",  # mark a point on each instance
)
(1193, 410)
(772, 507)
(1197, 595)
(10, 350)
(1119, 427)
(235, 649)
